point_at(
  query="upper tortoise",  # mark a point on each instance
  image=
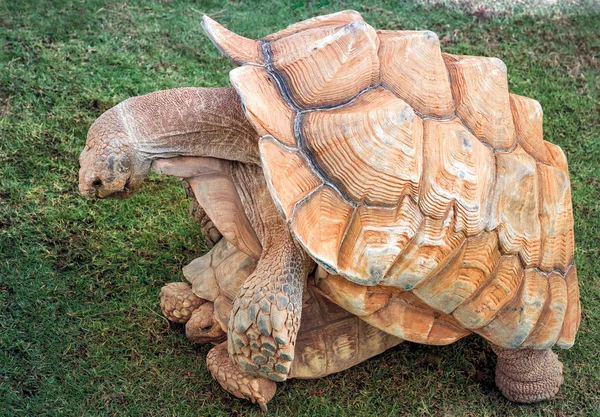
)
(417, 177)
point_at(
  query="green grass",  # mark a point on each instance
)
(80, 327)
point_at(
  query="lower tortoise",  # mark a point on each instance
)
(422, 189)
(330, 339)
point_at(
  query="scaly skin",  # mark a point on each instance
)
(266, 312)
(528, 375)
(258, 390)
(123, 142)
(178, 302)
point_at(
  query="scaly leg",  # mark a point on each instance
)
(178, 302)
(528, 375)
(258, 390)
(266, 312)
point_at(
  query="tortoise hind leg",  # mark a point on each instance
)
(258, 390)
(528, 375)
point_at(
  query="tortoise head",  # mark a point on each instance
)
(203, 327)
(109, 165)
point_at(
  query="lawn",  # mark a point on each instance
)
(81, 333)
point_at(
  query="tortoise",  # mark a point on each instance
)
(421, 187)
(329, 341)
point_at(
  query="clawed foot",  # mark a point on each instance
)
(178, 302)
(258, 390)
(528, 375)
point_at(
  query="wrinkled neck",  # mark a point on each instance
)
(206, 122)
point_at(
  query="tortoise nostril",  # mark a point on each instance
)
(97, 183)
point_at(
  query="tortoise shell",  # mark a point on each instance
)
(397, 165)
(330, 339)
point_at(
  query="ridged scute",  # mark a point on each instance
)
(458, 170)
(419, 179)
(515, 209)
(570, 324)
(412, 67)
(435, 242)
(498, 290)
(327, 65)
(528, 119)
(371, 149)
(374, 239)
(463, 275)
(320, 223)
(287, 170)
(333, 19)
(480, 88)
(235, 47)
(511, 326)
(556, 215)
(263, 104)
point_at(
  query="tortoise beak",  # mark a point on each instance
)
(102, 177)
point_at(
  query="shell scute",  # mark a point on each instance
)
(403, 320)
(320, 223)
(463, 275)
(528, 119)
(412, 67)
(549, 324)
(375, 238)
(557, 157)
(333, 19)
(263, 104)
(457, 170)
(328, 65)
(237, 48)
(287, 170)
(480, 89)
(358, 299)
(572, 318)
(515, 212)
(556, 216)
(511, 327)
(493, 295)
(371, 148)
(429, 250)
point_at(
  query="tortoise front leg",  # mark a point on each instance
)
(266, 312)
(528, 375)
(258, 390)
(178, 302)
